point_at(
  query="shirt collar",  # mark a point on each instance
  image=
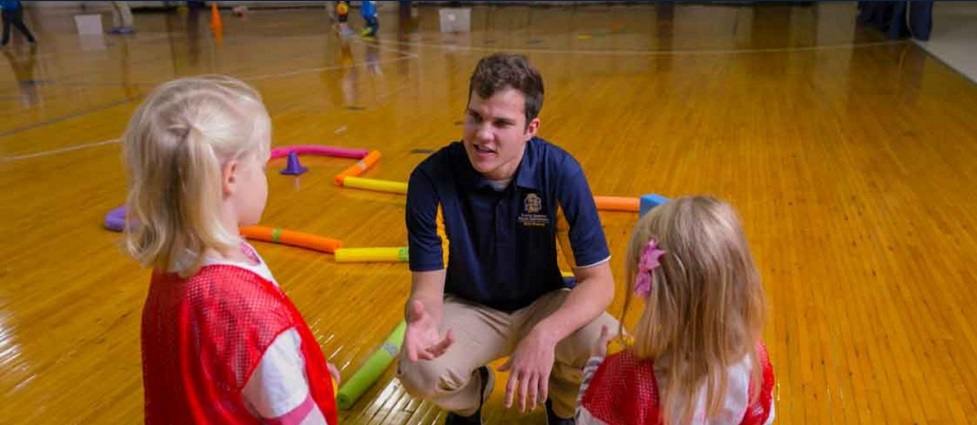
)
(525, 175)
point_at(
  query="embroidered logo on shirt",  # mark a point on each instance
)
(532, 205)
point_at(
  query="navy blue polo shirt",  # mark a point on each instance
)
(502, 244)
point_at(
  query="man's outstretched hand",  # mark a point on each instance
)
(422, 339)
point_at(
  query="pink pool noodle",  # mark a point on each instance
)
(334, 151)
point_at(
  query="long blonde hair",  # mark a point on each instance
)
(706, 308)
(174, 149)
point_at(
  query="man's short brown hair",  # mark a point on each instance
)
(501, 71)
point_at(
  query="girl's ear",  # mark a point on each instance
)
(229, 177)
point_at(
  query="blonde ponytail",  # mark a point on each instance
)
(176, 144)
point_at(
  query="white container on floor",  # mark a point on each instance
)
(456, 19)
(89, 24)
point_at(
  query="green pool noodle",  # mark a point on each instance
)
(363, 379)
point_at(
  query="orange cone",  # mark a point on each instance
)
(215, 18)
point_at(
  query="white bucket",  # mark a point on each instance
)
(89, 24)
(456, 19)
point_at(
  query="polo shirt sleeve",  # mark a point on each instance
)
(576, 200)
(423, 241)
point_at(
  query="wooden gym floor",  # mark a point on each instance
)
(850, 158)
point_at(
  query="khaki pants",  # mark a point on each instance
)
(483, 335)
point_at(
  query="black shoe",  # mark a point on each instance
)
(456, 419)
(552, 419)
(475, 419)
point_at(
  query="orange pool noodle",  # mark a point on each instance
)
(291, 238)
(616, 203)
(356, 169)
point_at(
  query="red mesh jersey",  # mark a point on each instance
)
(624, 391)
(202, 337)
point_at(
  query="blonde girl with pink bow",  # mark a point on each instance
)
(697, 355)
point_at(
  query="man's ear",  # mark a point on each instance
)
(532, 128)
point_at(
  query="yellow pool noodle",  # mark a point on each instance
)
(375, 185)
(371, 255)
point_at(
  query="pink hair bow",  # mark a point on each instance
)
(648, 263)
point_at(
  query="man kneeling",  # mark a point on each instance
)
(499, 194)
